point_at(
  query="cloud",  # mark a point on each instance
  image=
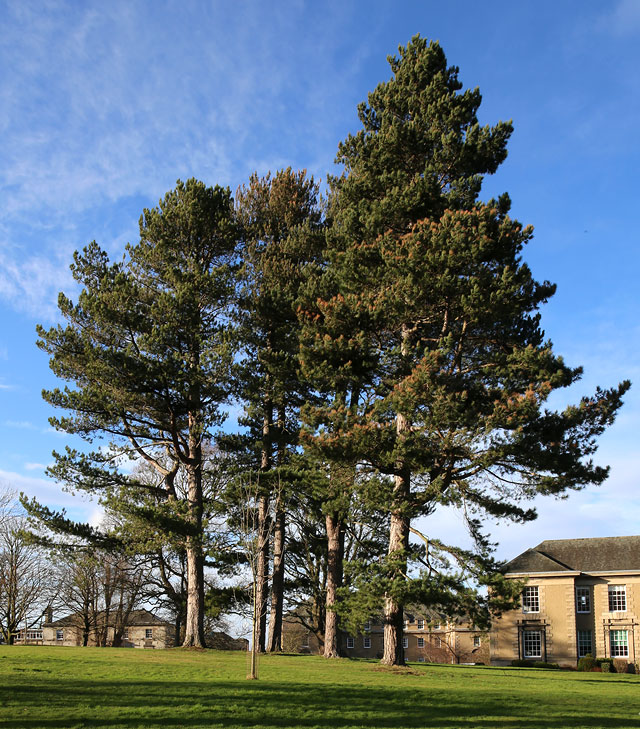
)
(606, 511)
(48, 493)
(625, 19)
(22, 424)
(35, 466)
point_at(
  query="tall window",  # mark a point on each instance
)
(405, 642)
(305, 640)
(530, 600)
(350, 642)
(617, 598)
(584, 643)
(367, 625)
(420, 642)
(420, 624)
(125, 634)
(619, 644)
(148, 633)
(366, 642)
(59, 634)
(476, 641)
(583, 600)
(532, 643)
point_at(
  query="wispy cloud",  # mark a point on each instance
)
(625, 19)
(22, 424)
(35, 466)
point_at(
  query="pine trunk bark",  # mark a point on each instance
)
(277, 583)
(393, 653)
(335, 544)
(194, 621)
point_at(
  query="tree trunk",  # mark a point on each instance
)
(262, 560)
(262, 572)
(393, 654)
(194, 622)
(335, 544)
(277, 582)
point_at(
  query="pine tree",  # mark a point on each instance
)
(432, 344)
(281, 219)
(148, 349)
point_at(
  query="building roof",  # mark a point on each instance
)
(142, 618)
(599, 554)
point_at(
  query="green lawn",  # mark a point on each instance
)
(125, 688)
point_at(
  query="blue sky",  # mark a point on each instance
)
(104, 105)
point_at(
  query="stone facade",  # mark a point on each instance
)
(428, 637)
(580, 596)
(142, 630)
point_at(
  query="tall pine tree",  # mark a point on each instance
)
(433, 345)
(148, 350)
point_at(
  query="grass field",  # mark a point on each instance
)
(65, 688)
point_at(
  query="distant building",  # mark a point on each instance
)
(581, 596)
(429, 637)
(142, 629)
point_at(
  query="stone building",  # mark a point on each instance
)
(580, 596)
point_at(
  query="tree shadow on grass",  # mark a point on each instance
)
(62, 703)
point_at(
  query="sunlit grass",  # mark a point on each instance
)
(44, 687)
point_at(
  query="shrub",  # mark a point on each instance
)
(519, 663)
(544, 664)
(607, 665)
(587, 663)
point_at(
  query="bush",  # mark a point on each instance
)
(544, 664)
(587, 663)
(519, 663)
(606, 664)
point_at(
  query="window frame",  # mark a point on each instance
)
(148, 633)
(477, 641)
(367, 625)
(420, 624)
(60, 634)
(581, 647)
(617, 595)
(586, 594)
(405, 643)
(531, 599)
(420, 642)
(366, 641)
(351, 643)
(619, 649)
(527, 640)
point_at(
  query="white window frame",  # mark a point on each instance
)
(532, 639)
(437, 626)
(420, 642)
(583, 599)
(366, 642)
(350, 642)
(125, 634)
(585, 643)
(420, 659)
(617, 598)
(59, 634)
(405, 642)
(367, 625)
(531, 599)
(619, 642)
(420, 624)
(148, 633)
(477, 641)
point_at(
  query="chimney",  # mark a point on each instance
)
(49, 614)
